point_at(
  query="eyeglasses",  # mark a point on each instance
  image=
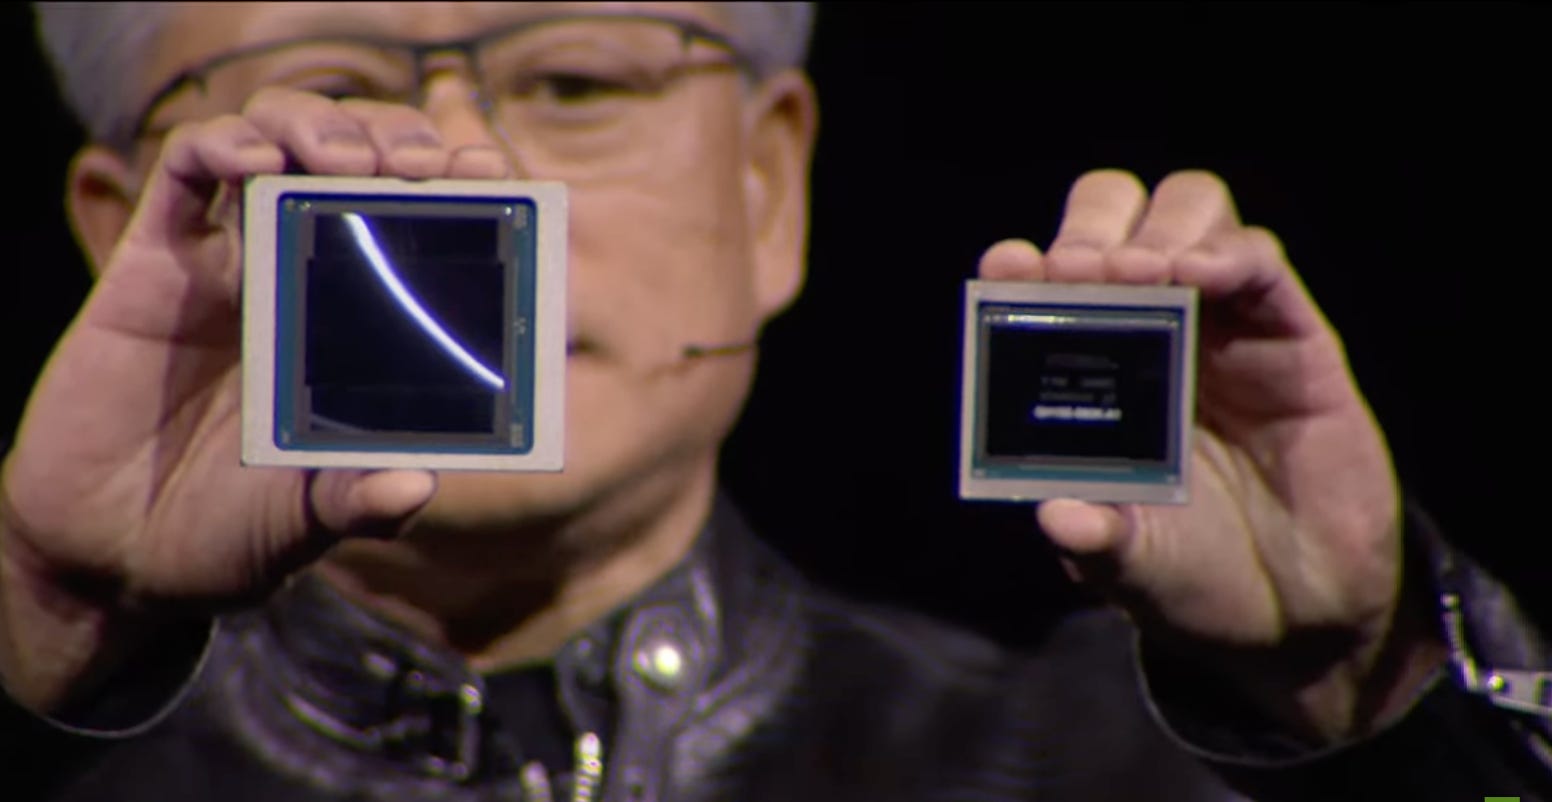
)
(574, 98)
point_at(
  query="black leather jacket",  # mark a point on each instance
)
(732, 679)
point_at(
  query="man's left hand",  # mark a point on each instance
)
(1282, 575)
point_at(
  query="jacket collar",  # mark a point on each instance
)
(363, 682)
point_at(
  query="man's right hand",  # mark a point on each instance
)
(124, 505)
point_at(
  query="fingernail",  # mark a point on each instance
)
(417, 487)
(1075, 259)
(486, 156)
(346, 135)
(1075, 252)
(1091, 523)
(1136, 263)
(417, 139)
(1081, 521)
(489, 150)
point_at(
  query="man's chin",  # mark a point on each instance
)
(487, 502)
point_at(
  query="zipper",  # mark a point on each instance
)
(590, 768)
(536, 783)
(586, 778)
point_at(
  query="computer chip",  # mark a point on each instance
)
(1078, 391)
(392, 323)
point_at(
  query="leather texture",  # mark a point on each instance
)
(775, 691)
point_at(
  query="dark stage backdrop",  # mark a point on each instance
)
(1399, 150)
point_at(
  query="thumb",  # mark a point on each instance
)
(375, 504)
(1093, 540)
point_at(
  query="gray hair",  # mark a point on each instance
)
(97, 50)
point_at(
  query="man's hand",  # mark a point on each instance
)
(1281, 576)
(123, 498)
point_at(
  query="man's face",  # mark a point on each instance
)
(699, 246)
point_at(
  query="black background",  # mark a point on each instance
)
(1398, 150)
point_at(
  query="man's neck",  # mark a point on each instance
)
(516, 599)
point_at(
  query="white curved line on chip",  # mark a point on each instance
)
(385, 273)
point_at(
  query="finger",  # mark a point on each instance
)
(197, 160)
(368, 504)
(314, 131)
(1081, 529)
(1091, 538)
(408, 144)
(1102, 209)
(1012, 260)
(479, 161)
(1186, 208)
(1248, 270)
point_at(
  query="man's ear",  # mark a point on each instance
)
(99, 200)
(781, 124)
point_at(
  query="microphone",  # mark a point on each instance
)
(689, 355)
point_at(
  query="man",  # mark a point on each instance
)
(612, 631)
